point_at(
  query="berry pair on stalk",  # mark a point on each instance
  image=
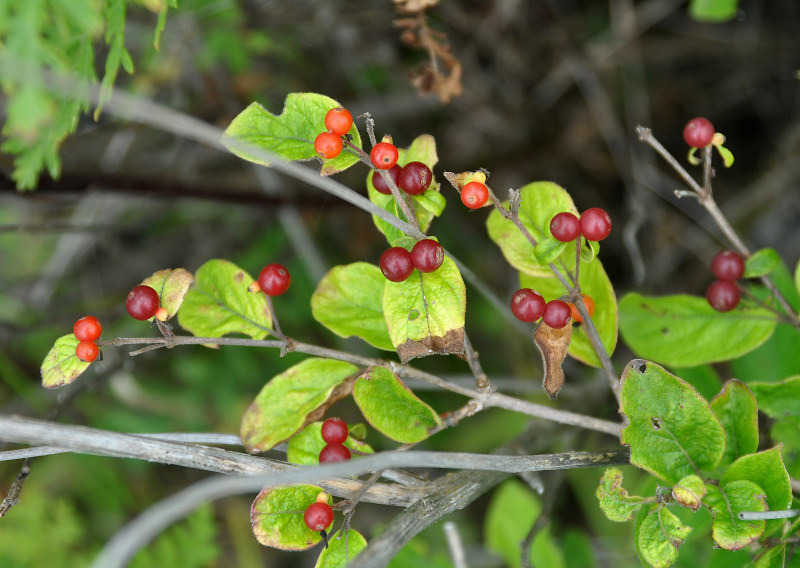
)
(397, 263)
(87, 330)
(594, 224)
(414, 178)
(723, 295)
(338, 122)
(334, 433)
(528, 305)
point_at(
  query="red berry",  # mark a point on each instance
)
(527, 305)
(595, 224)
(328, 145)
(396, 264)
(415, 178)
(274, 279)
(698, 132)
(142, 302)
(576, 315)
(87, 328)
(383, 155)
(565, 227)
(427, 255)
(556, 314)
(87, 351)
(318, 516)
(380, 185)
(727, 265)
(334, 431)
(334, 453)
(338, 121)
(723, 295)
(474, 195)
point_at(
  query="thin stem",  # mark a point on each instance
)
(481, 380)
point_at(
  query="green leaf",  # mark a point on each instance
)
(342, 548)
(689, 492)
(305, 446)
(277, 517)
(766, 470)
(614, 500)
(686, 331)
(726, 502)
(392, 408)
(289, 135)
(425, 313)
(671, 429)
(299, 395)
(797, 278)
(548, 250)
(511, 514)
(778, 399)
(725, 154)
(427, 205)
(589, 250)
(658, 535)
(735, 407)
(172, 286)
(774, 557)
(595, 283)
(348, 301)
(713, 10)
(220, 303)
(61, 366)
(761, 263)
(775, 359)
(193, 543)
(579, 551)
(540, 201)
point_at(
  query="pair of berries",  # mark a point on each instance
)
(334, 433)
(397, 263)
(528, 305)
(594, 224)
(273, 280)
(338, 122)
(413, 178)
(723, 295)
(87, 330)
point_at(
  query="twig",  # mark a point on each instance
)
(768, 515)
(455, 545)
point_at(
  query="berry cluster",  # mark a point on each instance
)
(594, 224)
(528, 305)
(413, 178)
(723, 294)
(397, 263)
(338, 122)
(334, 433)
(87, 330)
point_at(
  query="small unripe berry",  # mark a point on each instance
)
(334, 431)
(527, 305)
(723, 295)
(727, 265)
(556, 314)
(474, 195)
(334, 453)
(318, 516)
(698, 132)
(87, 328)
(87, 351)
(274, 279)
(565, 227)
(415, 178)
(328, 145)
(576, 315)
(383, 155)
(142, 302)
(396, 264)
(595, 224)
(427, 255)
(338, 121)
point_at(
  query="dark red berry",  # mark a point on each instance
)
(318, 516)
(415, 178)
(527, 305)
(383, 155)
(87, 351)
(727, 265)
(338, 121)
(274, 279)
(723, 295)
(328, 145)
(396, 264)
(334, 453)
(474, 195)
(334, 431)
(87, 328)
(556, 314)
(380, 185)
(565, 227)
(698, 132)
(142, 302)
(595, 224)
(427, 255)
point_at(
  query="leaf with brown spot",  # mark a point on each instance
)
(553, 344)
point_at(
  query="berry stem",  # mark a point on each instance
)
(277, 332)
(706, 199)
(400, 198)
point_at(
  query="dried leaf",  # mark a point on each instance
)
(553, 344)
(414, 5)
